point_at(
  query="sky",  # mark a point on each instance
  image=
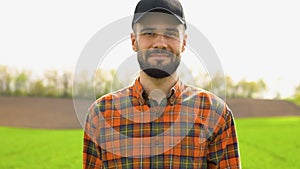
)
(256, 39)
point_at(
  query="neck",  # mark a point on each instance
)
(158, 88)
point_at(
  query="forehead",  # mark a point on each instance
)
(158, 20)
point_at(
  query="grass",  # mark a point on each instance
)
(269, 143)
(43, 149)
(265, 143)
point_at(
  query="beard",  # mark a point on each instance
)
(158, 69)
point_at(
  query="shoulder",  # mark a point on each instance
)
(207, 100)
(192, 91)
(106, 101)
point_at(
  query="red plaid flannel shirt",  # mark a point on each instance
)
(190, 128)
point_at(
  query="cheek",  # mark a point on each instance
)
(143, 45)
(176, 46)
(177, 49)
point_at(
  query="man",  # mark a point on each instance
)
(159, 122)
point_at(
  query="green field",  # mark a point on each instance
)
(269, 143)
(40, 149)
(265, 143)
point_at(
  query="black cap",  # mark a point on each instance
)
(165, 6)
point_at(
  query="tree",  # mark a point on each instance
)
(105, 82)
(66, 79)
(297, 91)
(262, 87)
(5, 80)
(82, 86)
(230, 88)
(21, 83)
(52, 85)
(220, 85)
(250, 89)
(37, 88)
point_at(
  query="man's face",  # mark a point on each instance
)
(159, 41)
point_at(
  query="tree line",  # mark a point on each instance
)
(54, 83)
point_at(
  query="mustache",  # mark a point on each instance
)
(158, 51)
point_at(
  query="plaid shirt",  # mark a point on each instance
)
(190, 128)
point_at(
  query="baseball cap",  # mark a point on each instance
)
(172, 7)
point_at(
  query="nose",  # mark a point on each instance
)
(160, 42)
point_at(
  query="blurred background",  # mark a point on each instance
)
(257, 43)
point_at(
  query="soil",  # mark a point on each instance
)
(59, 113)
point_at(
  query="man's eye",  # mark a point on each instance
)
(150, 34)
(171, 35)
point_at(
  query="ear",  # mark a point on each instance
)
(184, 43)
(133, 42)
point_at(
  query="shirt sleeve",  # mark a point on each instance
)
(92, 158)
(223, 149)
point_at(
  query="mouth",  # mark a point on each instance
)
(159, 56)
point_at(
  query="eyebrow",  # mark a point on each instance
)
(173, 29)
(148, 29)
(167, 29)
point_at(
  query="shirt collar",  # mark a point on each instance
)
(139, 92)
